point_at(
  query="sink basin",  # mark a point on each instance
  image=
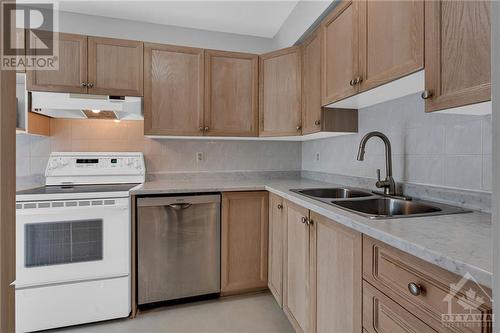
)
(334, 193)
(383, 207)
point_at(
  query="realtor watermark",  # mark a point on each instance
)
(467, 305)
(29, 38)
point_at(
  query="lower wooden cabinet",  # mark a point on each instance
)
(275, 267)
(383, 315)
(335, 276)
(296, 267)
(244, 241)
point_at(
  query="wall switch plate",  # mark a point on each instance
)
(317, 156)
(200, 156)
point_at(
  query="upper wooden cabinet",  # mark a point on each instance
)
(391, 43)
(311, 84)
(340, 52)
(244, 233)
(457, 53)
(173, 90)
(280, 93)
(92, 65)
(115, 66)
(336, 277)
(71, 75)
(276, 228)
(231, 93)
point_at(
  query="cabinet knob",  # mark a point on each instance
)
(358, 80)
(309, 222)
(299, 127)
(200, 128)
(280, 206)
(415, 289)
(304, 219)
(206, 129)
(352, 82)
(317, 122)
(90, 85)
(426, 94)
(83, 84)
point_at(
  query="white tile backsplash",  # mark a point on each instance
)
(428, 148)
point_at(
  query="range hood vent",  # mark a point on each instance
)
(82, 106)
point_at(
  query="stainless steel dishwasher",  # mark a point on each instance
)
(178, 247)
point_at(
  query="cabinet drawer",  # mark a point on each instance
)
(382, 315)
(443, 295)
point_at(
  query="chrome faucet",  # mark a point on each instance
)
(388, 184)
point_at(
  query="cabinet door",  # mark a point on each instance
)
(71, 75)
(275, 278)
(340, 52)
(231, 93)
(115, 67)
(382, 315)
(391, 40)
(296, 267)
(457, 53)
(311, 84)
(173, 90)
(244, 241)
(280, 93)
(336, 277)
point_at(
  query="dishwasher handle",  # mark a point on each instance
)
(179, 202)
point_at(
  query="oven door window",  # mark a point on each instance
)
(55, 243)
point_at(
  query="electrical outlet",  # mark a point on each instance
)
(317, 156)
(199, 156)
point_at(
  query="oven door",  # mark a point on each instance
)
(68, 241)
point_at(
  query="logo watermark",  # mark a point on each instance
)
(29, 38)
(466, 302)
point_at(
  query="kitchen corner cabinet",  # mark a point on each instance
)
(71, 76)
(92, 65)
(340, 52)
(231, 93)
(244, 242)
(276, 228)
(280, 92)
(336, 276)
(311, 84)
(115, 67)
(457, 53)
(296, 303)
(173, 90)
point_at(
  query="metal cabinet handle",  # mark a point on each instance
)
(206, 129)
(352, 83)
(90, 85)
(83, 84)
(200, 128)
(415, 289)
(299, 127)
(426, 94)
(304, 219)
(359, 79)
(309, 222)
(317, 122)
(280, 206)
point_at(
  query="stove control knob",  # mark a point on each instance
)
(53, 164)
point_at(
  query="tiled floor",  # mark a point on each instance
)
(257, 313)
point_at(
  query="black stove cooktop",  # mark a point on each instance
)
(69, 189)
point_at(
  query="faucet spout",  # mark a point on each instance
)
(388, 184)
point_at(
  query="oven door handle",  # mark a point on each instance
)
(180, 206)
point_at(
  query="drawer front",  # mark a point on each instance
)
(382, 315)
(451, 303)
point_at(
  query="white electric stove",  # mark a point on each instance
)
(73, 253)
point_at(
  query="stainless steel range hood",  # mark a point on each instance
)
(82, 106)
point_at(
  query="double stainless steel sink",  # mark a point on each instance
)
(375, 206)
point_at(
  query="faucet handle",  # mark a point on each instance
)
(378, 175)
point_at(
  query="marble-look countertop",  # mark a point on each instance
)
(459, 243)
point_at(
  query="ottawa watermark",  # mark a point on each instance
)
(468, 305)
(29, 37)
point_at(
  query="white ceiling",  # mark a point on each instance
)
(254, 18)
